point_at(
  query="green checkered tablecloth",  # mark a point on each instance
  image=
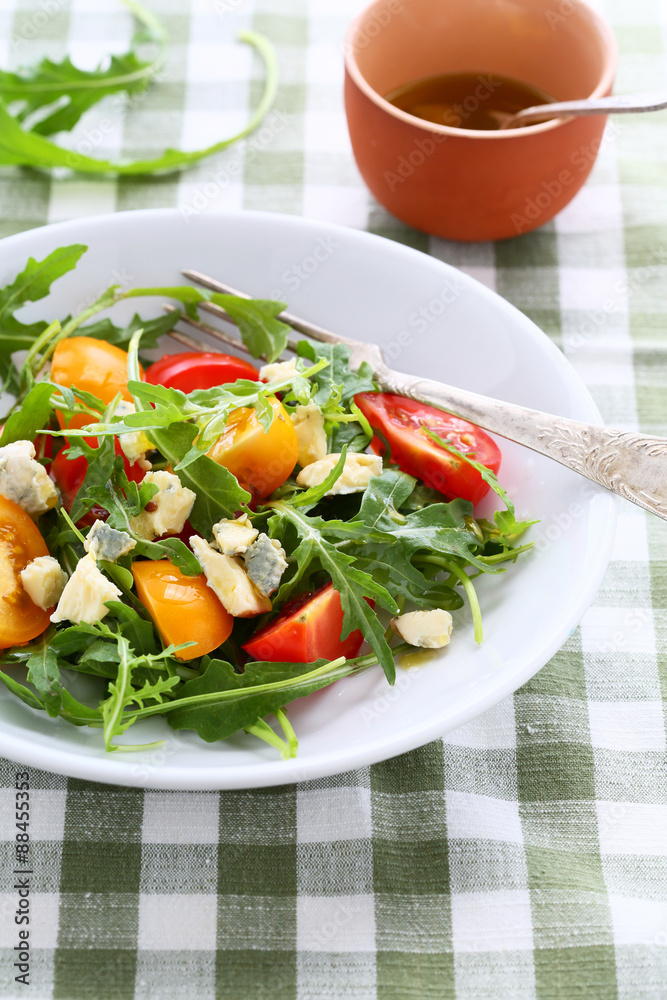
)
(524, 855)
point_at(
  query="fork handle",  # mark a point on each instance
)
(630, 464)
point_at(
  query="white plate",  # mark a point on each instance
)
(367, 287)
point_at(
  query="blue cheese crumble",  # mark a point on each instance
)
(234, 535)
(23, 480)
(85, 594)
(106, 543)
(44, 581)
(168, 509)
(229, 581)
(265, 563)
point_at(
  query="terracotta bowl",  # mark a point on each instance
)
(465, 184)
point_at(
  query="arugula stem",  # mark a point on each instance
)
(72, 525)
(51, 331)
(22, 90)
(341, 418)
(511, 554)
(100, 303)
(337, 668)
(138, 747)
(467, 584)
(123, 687)
(401, 604)
(268, 54)
(262, 730)
(288, 730)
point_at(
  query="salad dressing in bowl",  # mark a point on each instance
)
(467, 100)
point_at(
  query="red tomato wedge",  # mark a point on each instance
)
(403, 423)
(20, 543)
(196, 370)
(184, 608)
(309, 628)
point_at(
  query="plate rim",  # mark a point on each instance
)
(109, 769)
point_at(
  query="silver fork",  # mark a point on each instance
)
(630, 464)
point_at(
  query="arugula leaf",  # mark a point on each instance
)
(437, 531)
(349, 434)
(121, 577)
(19, 147)
(206, 411)
(221, 701)
(334, 391)
(337, 383)
(32, 284)
(77, 714)
(121, 497)
(124, 499)
(101, 463)
(32, 416)
(44, 673)
(153, 329)
(353, 585)
(508, 527)
(202, 704)
(314, 494)
(261, 332)
(439, 528)
(138, 631)
(71, 710)
(173, 549)
(121, 691)
(73, 639)
(25, 694)
(217, 491)
(99, 658)
(65, 92)
(70, 90)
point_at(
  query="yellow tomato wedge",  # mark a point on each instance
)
(261, 460)
(184, 608)
(93, 366)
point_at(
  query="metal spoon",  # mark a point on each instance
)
(622, 104)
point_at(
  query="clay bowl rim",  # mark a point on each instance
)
(603, 87)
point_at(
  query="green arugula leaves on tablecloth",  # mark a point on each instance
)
(51, 98)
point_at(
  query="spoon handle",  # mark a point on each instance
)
(617, 104)
(630, 464)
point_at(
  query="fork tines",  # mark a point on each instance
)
(300, 325)
(211, 331)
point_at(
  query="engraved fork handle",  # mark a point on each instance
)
(630, 464)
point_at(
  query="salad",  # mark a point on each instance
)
(211, 539)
